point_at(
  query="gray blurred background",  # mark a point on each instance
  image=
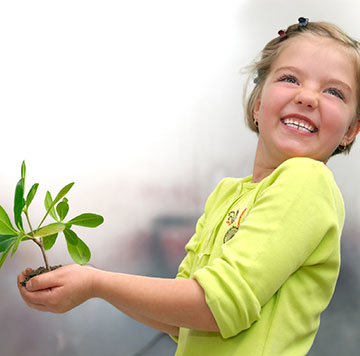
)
(139, 103)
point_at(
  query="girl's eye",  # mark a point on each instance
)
(336, 92)
(288, 79)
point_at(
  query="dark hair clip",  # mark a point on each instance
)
(303, 21)
(282, 34)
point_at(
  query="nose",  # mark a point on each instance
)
(307, 98)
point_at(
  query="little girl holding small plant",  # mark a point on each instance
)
(263, 263)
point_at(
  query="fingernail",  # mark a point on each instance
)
(28, 286)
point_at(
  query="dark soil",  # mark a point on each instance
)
(36, 272)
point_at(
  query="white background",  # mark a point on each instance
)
(140, 103)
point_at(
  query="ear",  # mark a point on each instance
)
(351, 133)
(257, 109)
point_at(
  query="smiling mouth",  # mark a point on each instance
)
(300, 125)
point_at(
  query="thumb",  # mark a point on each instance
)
(41, 282)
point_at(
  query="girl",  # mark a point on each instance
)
(265, 257)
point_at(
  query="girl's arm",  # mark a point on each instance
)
(170, 302)
(167, 329)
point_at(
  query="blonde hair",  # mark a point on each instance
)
(261, 68)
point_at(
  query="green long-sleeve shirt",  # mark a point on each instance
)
(267, 255)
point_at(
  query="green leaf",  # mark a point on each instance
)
(71, 236)
(6, 241)
(80, 253)
(23, 170)
(50, 229)
(87, 220)
(60, 195)
(49, 241)
(17, 242)
(31, 194)
(62, 209)
(6, 227)
(63, 192)
(4, 255)
(19, 203)
(49, 206)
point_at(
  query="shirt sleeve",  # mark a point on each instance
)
(298, 208)
(185, 268)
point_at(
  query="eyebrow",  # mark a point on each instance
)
(332, 80)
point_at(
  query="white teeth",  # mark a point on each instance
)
(301, 126)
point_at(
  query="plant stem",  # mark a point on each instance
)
(38, 242)
(41, 245)
(41, 222)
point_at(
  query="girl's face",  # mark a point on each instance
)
(308, 102)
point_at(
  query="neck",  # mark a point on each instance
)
(264, 164)
(259, 173)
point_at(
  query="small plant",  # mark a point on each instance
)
(44, 236)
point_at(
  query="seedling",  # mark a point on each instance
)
(44, 236)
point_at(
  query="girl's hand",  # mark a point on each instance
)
(58, 291)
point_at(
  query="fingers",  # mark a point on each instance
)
(38, 290)
(23, 274)
(20, 278)
(44, 281)
(26, 271)
(25, 294)
(42, 300)
(41, 282)
(33, 301)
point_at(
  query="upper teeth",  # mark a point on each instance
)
(302, 126)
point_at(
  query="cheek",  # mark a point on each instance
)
(273, 101)
(338, 118)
